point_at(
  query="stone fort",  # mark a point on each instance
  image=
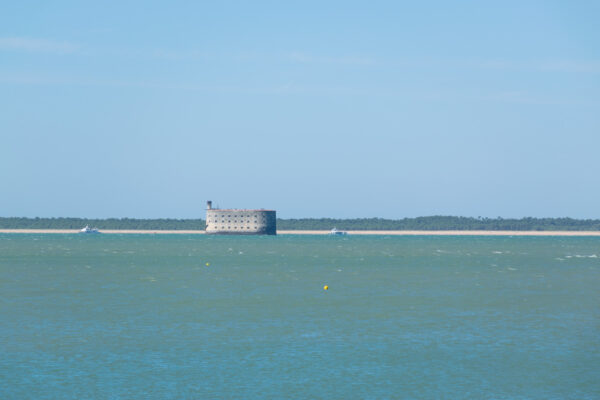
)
(240, 222)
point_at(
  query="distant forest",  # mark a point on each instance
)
(420, 223)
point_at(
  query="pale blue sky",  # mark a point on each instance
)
(343, 109)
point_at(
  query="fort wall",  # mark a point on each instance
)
(240, 222)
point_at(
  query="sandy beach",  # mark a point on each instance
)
(452, 233)
(282, 232)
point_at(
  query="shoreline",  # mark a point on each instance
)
(316, 232)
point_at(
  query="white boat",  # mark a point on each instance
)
(336, 232)
(87, 229)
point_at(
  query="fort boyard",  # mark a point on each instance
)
(240, 222)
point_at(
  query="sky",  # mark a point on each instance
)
(342, 109)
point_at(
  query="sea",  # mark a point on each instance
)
(128, 316)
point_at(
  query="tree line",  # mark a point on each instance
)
(109, 223)
(443, 223)
(419, 223)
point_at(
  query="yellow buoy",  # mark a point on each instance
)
(325, 287)
(207, 264)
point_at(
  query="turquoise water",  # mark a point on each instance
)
(142, 316)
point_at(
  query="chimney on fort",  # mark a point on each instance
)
(209, 205)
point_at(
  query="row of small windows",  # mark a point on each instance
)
(235, 227)
(239, 215)
(229, 221)
(234, 217)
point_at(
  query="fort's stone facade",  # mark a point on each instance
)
(240, 222)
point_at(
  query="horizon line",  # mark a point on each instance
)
(333, 218)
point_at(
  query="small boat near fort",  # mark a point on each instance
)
(336, 232)
(87, 229)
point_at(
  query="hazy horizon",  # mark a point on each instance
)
(203, 217)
